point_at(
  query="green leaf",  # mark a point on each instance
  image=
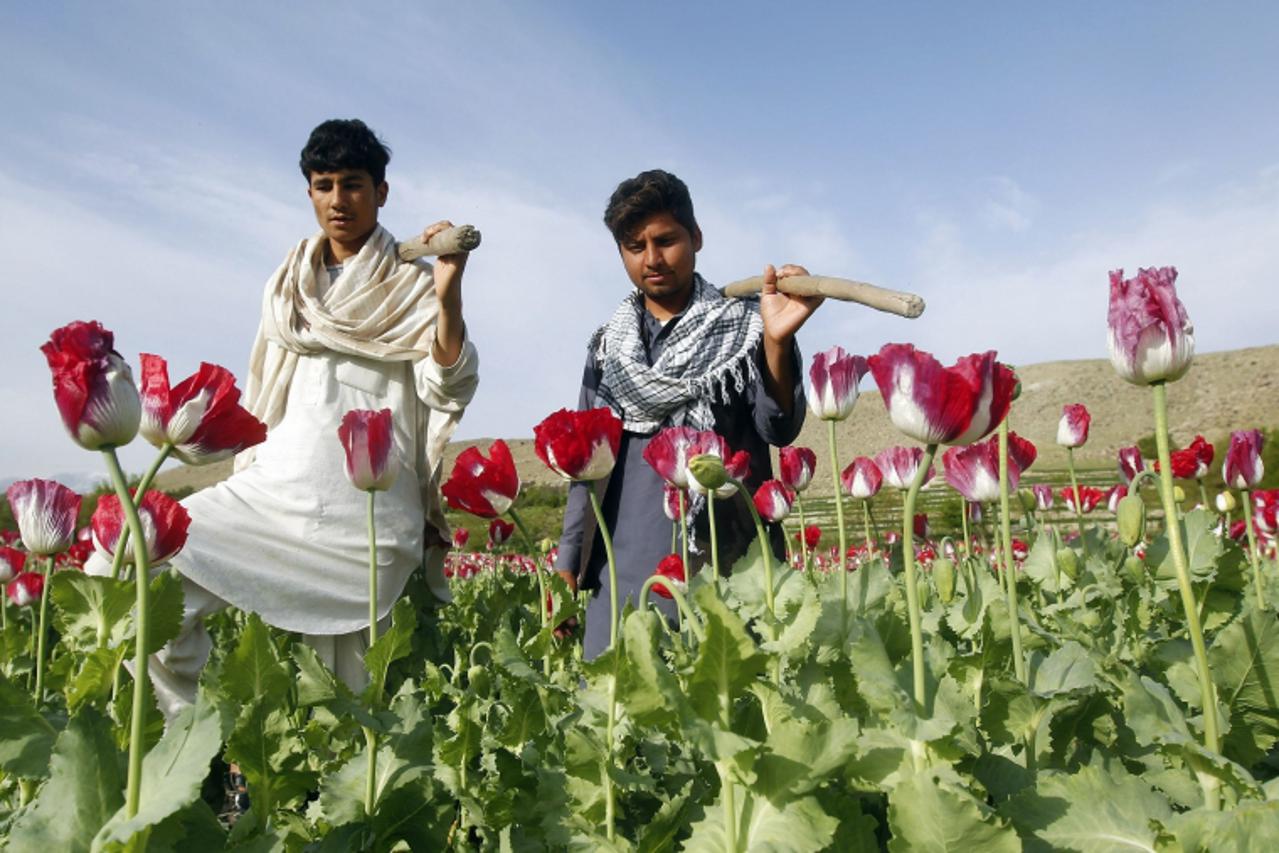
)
(1244, 661)
(1069, 668)
(172, 772)
(92, 681)
(727, 660)
(1203, 550)
(800, 825)
(317, 685)
(797, 626)
(927, 814)
(84, 790)
(84, 604)
(269, 753)
(1242, 829)
(164, 610)
(1095, 810)
(253, 669)
(195, 829)
(1152, 713)
(509, 657)
(799, 755)
(27, 737)
(390, 647)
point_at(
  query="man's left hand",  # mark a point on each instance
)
(783, 313)
(447, 272)
(448, 268)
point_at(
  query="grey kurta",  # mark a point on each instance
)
(632, 500)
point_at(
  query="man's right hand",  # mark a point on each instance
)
(568, 627)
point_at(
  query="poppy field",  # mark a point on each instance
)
(1055, 666)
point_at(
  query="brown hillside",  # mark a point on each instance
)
(1222, 392)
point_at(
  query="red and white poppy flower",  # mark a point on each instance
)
(92, 386)
(164, 525)
(942, 405)
(1150, 337)
(795, 467)
(773, 500)
(862, 479)
(1243, 468)
(368, 437)
(899, 465)
(201, 417)
(832, 383)
(484, 487)
(579, 445)
(1072, 429)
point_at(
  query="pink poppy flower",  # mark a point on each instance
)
(1151, 338)
(862, 479)
(668, 453)
(46, 513)
(671, 571)
(1072, 429)
(25, 589)
(499, 532)
(832, 383)
(942, 405)
(898, 465)
(1243, 468)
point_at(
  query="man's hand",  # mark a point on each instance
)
(448, 290)
(783, 314)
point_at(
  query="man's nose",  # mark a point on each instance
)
(652, 256)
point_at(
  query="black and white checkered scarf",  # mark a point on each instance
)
(710, 353)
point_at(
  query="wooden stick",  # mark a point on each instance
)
(450, 241)
(892, 301)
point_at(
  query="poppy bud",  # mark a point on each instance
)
(1225, 502)
(1135, 568)
(708, 470)
(479, 679)
(1178, 494)
(1068, 562)
(1028, 500)
(944, 577)
(1132, 520)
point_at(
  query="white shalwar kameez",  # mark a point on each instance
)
(286, 537)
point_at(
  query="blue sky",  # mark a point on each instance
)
(998, 159)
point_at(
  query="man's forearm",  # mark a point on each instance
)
(779, 373)
(450, 331)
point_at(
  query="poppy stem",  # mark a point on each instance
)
(912, 586)
(839, 517)
(710, 520)
(681, 603)
(1207, 694)
(683, 528)
(1010, 568)
(1079, 506)
(117, 560)
(43, 630)
(541, 585)
(141, 675)
(370, 736)
(1252, 549)
(803, 532)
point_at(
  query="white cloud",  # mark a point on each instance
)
(1007, 206)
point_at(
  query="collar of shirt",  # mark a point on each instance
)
(653, 332)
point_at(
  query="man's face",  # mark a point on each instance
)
(346, 203)
(659, 256)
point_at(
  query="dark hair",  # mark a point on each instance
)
(342, 143)
(638, 198)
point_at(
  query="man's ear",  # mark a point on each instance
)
(697, 239)
(382, 189)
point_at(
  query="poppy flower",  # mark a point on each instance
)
(1089, 497)
(773, 500)
(164, 523)
(898, 465)
(368, 437)
(499, 532)
(668, 453)
(25, 589)
(460, 537)
(811, 535)
(1072, 429)
(484, 487)
(671, 571)
(795, 467)
(1043, 496)
(1130, 463)
(579, 445)
(942, 405)
(1243, 468)
(93, 386)
(201, 417)
(832, 383)
(11, 562)
(1113, 495)
(862, 479)
(1151, 338)
(670, 501)
(46, 513)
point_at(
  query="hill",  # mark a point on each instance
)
(1223, 391)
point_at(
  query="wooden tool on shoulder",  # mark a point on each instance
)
(450, 241)
(902, 304)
